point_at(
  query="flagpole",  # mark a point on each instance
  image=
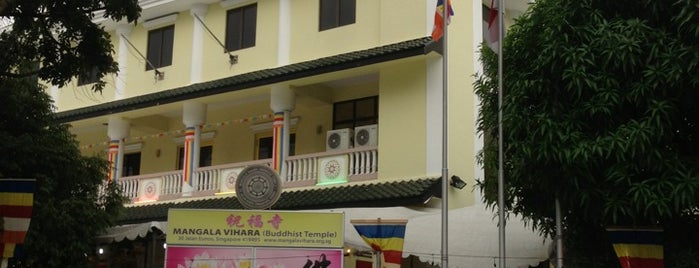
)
(501, 172)
(445, 166)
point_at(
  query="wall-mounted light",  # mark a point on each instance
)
(159, 75)
(457, 182)
(100, 251)
(232, 59)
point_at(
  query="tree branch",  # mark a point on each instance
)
(19, 75)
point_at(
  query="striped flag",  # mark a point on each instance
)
(438, 28)
(638, 248)
(385, 236)
(16, 201)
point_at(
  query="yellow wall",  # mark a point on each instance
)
(401, 86)
(263, 55)
(401, 20)
(402, 122)
(307, 43)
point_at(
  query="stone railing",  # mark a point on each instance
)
(301, 171)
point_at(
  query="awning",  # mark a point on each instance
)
(131, 231)
(473, 235)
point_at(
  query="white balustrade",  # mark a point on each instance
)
(303, 168)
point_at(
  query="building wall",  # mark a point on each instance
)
(409, 90)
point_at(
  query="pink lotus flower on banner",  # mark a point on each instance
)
(204, 261)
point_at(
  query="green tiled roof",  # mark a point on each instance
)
(257, 78)
(394, 193)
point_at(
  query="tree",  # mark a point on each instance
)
(62, 37)
(599, 110)
(71, 204)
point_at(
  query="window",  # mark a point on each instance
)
(160, 43)
(204, 156)
(354, 113)
(264, 146)
(88, 77)
(336, 13)
(132, 164)
(241, 26)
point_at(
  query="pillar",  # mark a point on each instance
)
(117, 130)
(284, 34)
(197, 42)
(123, 31)
(194, 115)
(282, 102)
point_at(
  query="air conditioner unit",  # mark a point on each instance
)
(366, 136)
(339, 139)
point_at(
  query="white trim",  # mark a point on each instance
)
(230, 3)
(134, 147)
(206, 136)
(160, 21)
(256, 128)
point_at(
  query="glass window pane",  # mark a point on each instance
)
(343, 111)
(347, 12)
(250, 26)
(155, 39)
(328, 14)
(132, 164)
(264, 148)
(366, 108)
(234, 29)
(167, 47)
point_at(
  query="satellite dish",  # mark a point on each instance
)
(258, 187)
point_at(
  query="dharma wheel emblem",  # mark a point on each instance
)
(258, 187)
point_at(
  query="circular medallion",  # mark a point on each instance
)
(258, 187)
(150, 189)
(332, 169)
(230, 180)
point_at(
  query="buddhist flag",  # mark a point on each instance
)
(438, 28)
(385, 236)
(16, 201)
(638, 248)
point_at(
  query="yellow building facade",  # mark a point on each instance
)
(325, 68)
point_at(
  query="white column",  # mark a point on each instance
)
(284, 43)
(56, 97)
(433, 116)
(282, 102)
(197, 42)
(117, 130)
(194, 115)
(122, 30)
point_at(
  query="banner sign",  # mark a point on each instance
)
(202, 256)
(253, 228)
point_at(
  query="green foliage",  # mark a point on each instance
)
(599, 110)
(62, 36)
(71, 206)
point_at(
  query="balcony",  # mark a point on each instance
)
(352, 165)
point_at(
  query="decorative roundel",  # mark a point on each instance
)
(332, 169)
(258, 187)
(150, 189)
(363, 137)
(334, 140)
(230, 180)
